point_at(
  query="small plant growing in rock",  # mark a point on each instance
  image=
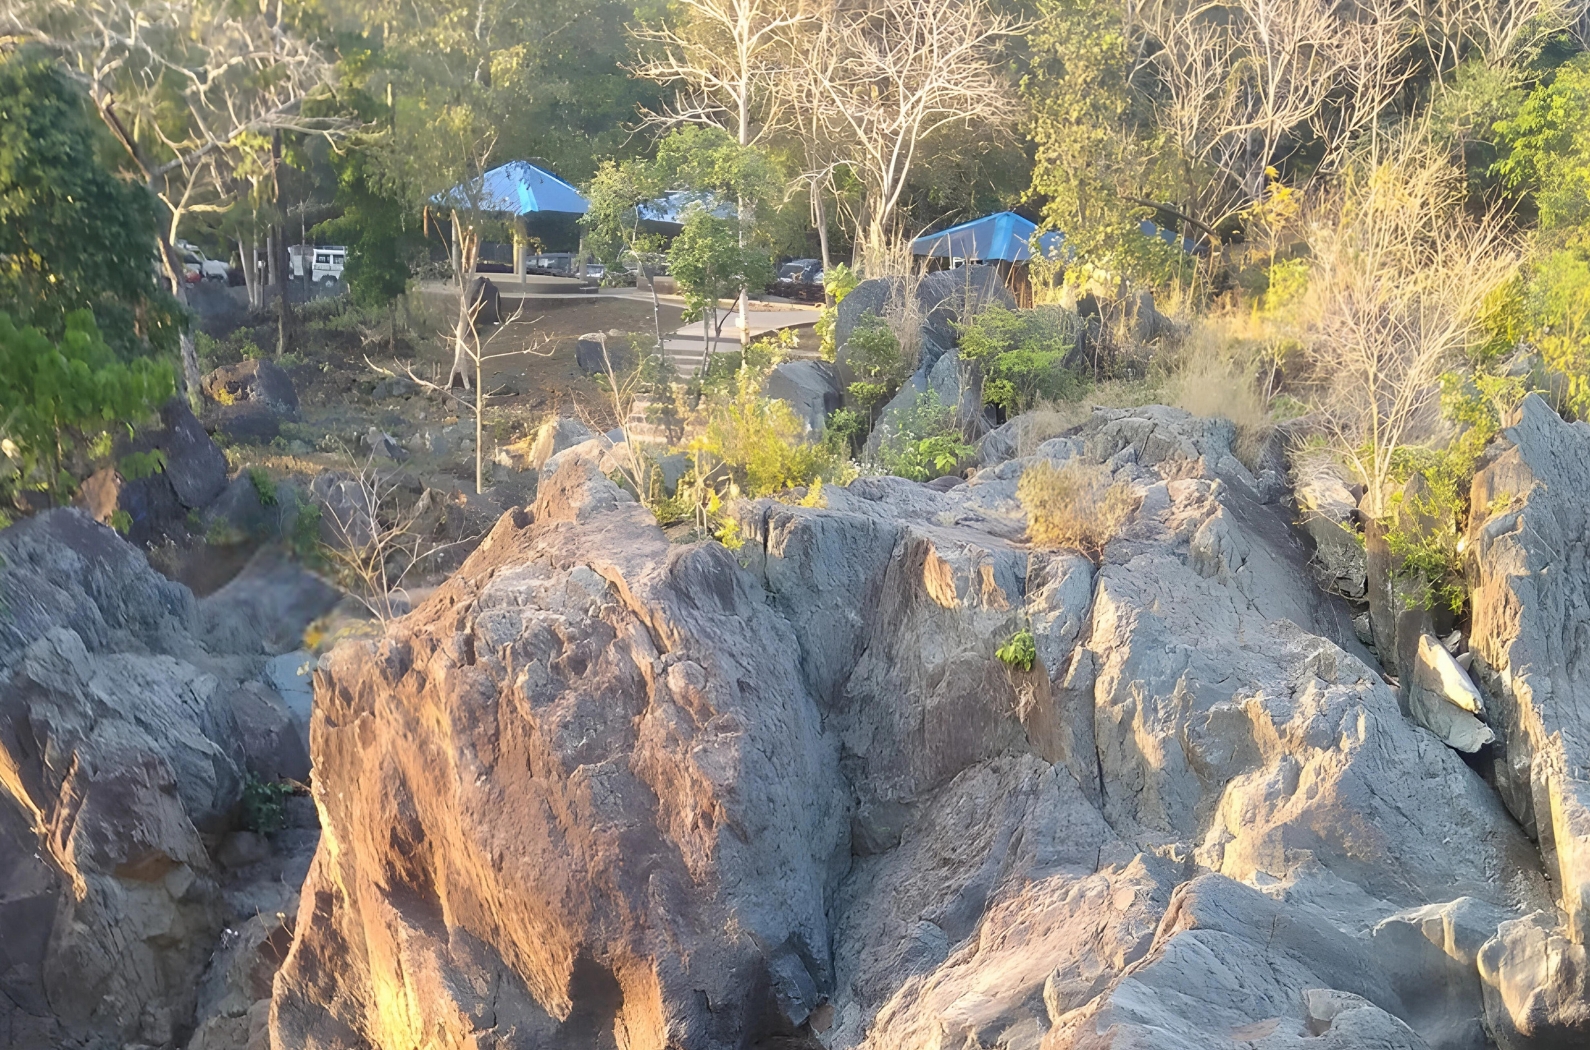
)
(875, 356)
(922, 442)
(264, 805)
(1076, 505)
(264, 487)
(1019, 652)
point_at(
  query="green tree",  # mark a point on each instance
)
(56, 392)
(73, 234)
(711, 262)
(1022, 354)
(1547, 162)
(1548, 144)
(876, 360)
(614, 225)
(1099, 156)
(379, 228)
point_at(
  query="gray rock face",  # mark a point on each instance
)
(158, 504)
(251, 400)
(811, 388)
(259, 381)
(119, 753)
(946, 297)
(600, 783)
(1530, 599)
(556, 436)
(595, 352)
(125, 733)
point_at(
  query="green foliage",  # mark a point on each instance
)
(1020, 651)
(1467, 106)
(760, 442)
(1427, 518)
(922, 442)
(376, 225)
(52, 391)
(877, 361)
(136, 466)
(710, 263)
(1022, 354)
(264, 487)
(264, 808)
(1286, 282)
(1077, 505)
(1556, 306)
(847, 428)
(72, 234)
(709, 161)
(838, 282)
(1548, 143)
(121, 521)
(1097, 150)
(613, 220)
(304, 537)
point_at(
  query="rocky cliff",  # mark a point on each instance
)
(603, 790)
(130, 714)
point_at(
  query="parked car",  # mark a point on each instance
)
(328, 265)
(208, 269)
(192, 266)
(800, 279)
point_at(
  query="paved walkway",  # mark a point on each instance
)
(685, 347)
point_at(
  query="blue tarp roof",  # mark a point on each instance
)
(517, 188)
(1001, 237)
(671, 208)
(1171, 237)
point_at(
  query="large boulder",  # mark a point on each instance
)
(600, 783)
(1531, 599)
(120, 757)
(811, 388)
(250, 400)
(556, 435)
(184, 471)
(594, 800)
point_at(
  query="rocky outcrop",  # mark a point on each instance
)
(251, 399)
(810, 388)
(604, 790)
(1531, 599)
(121, 766)
(183, 473)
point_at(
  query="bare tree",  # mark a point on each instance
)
(1504, 34)
(725, 56)
(182, 85)
(1241, 79)
(477, 352)
(889, 75)
(1397, 287)
(376, 540)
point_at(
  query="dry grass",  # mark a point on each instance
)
(1076, 505)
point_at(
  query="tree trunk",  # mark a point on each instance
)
(245, 260)
(192, 381)
(462, 330)
(284, 312)
(820, 210)
(480, 425)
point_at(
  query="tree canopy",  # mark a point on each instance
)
(74, 233)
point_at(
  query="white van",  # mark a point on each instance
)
(328, 265)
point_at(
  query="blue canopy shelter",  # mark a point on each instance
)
(516, 188)
(671, 209)
(1001, 237)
